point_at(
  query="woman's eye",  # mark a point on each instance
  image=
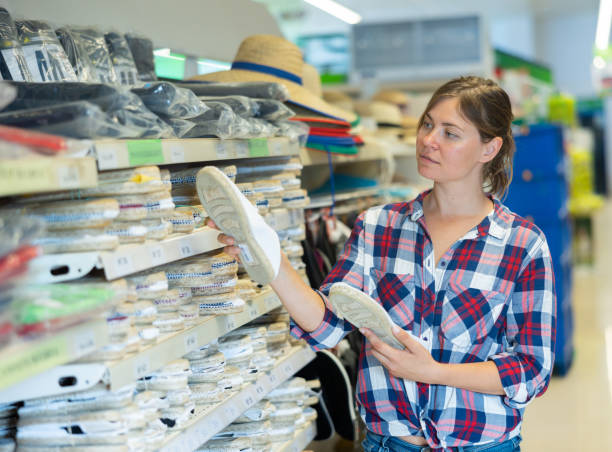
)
(451, 135)
(427, 125)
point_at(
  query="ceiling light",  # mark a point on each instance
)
(341, 12)
(161, 52)
(599, 62)
(602, 35)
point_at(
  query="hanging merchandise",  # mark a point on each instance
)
(88, 54)
(122, 59)
(13, 64)
(142, 51)
(43, 53)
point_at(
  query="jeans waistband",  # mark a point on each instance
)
(395, 444)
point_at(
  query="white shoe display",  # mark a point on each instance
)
(236, 216)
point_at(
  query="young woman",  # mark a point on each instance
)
(454, 267)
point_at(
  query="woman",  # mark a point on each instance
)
(454, 267)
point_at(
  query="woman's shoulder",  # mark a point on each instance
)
(520, 229)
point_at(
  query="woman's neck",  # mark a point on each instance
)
(452, 201)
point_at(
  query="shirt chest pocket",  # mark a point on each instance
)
(395, 292)
(469, 315)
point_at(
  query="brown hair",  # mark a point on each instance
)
(487, 106)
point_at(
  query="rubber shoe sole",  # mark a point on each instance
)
(223, 204)
(362, 311)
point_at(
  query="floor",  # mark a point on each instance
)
(575, 414)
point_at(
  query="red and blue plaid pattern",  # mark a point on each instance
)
(494, 301)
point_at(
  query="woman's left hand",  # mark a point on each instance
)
(413, 363)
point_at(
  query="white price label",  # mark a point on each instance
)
(68, 176)
(142, 367)
(276, 147)
(259, 390)
(231, 412)
(272, 378)
(191, 342)
(242, 149)
(230, 324)
(158, 256)
(253, 312)
(124, 265)
(288, 369)
(222, 150)
(185, 249)
(107, 157)
(84, 343)
(177, 153)
(249, 401)
(271, 301)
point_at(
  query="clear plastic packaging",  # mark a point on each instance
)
(142, 51)
(198, 214)
(273, 110)
(127, 232)
(17, 230)
(168, 322)
(91, 59)
(73, 119)
(296, 131)
(141, 312)
(18, 143)
(231, 306)
(124, 107)
(170, 100)
(213, 286)
(183, 181)
(244, 107)
(122, 59)
(263, 90)
(44, 55)
(201, 269)
(13, 65)
(172, 299)
(76, 241)
(63, 215)
(219, 121)
(180, 127)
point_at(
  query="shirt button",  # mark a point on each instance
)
(443, 263)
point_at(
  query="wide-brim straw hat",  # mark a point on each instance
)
(384, 113)
(395, 97)
(267, 58)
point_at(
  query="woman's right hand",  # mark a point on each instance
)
(227, 240)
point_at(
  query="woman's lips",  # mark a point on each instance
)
(421, 156)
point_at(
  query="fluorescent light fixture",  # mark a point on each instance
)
(340, 11)
(162, 52)
(602, 35)
(215, 64)
(599, 62)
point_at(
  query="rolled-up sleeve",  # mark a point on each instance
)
(348, 269)
(525, 366)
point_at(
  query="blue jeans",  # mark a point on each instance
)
(379, 443)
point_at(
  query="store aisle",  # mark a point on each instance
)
(575, 412)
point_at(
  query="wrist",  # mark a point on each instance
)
(437, 373)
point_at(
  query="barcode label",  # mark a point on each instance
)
(107, 157)
(222, 150)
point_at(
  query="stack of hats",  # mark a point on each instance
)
(408, 122)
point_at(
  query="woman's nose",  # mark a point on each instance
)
(429, 137)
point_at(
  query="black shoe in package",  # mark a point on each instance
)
(180, 127)
(73, 119)
(218, 121)
(122, 59)
(273, 110)
(45, 56)
(241, 105)
(119, 103)
(142, 51)
(13, 65)
(258, 90)
(168, 99)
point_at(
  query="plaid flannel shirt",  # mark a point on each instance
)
(494, 301)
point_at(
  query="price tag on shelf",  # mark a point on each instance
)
(185, 249)
(68, 176)
(177, 153)
(259, 390)
(107, 156)
(84, 343)
(142, 367)
(222, 152)
(272, 378)
(191, 342)
(248, 401)
(124, 264)
(157, 254)
(230, 323)
(271, 301)
(253, 312)
(276, 147)
(231, 412)
(145, 152)
(288, 369)
(242, 149)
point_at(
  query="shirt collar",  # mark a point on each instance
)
(496, 224)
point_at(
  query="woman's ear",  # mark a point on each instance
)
(491, 149)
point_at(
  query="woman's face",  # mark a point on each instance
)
(449, 147)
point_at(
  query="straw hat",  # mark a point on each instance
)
(338, 99)
(268, 58)
(394, 97)
(384, 113)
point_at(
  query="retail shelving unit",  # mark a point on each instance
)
(367, 152)
(301, 439)
(42, 174)
(317, 202)
(114, 154)
(211, 421)
(26, 359)
(178, 344)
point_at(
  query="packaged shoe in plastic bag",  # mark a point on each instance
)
(142, 51)
(16, 231)
(273, 110)
(157, 229)
(43, 53)
(73, 119)
(13, 64)
(172, 299)
(92, 57)
(170, 100)
(296, 131)
(219, 121)
(243, 106)
(263, 90)
(241, 444)
(122, 59)
(183, 181)
(77, 241)
(180, 127)
(198, 214)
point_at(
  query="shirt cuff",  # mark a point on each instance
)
(512, 378)
(325, 335)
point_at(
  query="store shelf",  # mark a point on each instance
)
(175, 345)
(26, 359)
(42, 174)
(212, 421)
(300, 440)
(367, 152)
(113, 154)
(316, 202)
(124, 260)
